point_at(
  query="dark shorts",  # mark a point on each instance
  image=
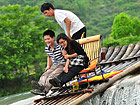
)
(78, 34)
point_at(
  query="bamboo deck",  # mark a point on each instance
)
(125, 58)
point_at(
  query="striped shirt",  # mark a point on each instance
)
(56, 54)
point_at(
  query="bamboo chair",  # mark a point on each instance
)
(92, 47)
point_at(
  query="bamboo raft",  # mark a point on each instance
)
(118, 58)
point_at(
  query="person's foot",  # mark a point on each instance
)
(36, 85)
(39, 92)
(55, 82)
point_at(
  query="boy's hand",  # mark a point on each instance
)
(66, 56)
(65, 69)
(47, 68)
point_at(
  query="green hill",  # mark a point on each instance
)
(98, 15)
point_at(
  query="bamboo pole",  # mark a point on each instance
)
(128, 51)
(119, 60)
(104, 86)
(89, 39)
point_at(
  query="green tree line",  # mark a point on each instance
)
(21, 42)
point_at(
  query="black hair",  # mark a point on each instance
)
(50, 33)
(69, 48)
(46, 6)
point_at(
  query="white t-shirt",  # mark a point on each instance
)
(76, 23)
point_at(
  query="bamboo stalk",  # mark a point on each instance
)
(109, 53)
(104, 86)
(128, 51)
(120, 60)
(91, 50)
(89, 39)
(121, 53)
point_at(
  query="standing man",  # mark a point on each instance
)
(72, 25)
(55, 57)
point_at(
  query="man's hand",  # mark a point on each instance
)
(69, 36)
(47, 68)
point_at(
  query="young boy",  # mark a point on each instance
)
(55, 55)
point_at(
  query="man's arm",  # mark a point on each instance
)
(68, 25)
(49, 61)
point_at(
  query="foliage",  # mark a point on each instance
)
(121, 41)
(97, 15)
(16, 85)
(124, 31)
(21, 42)
(122, 26)
(136, 26)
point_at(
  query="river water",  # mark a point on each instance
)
(14, 98)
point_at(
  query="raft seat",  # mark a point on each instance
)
(91, 46)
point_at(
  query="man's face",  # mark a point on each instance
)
(49, 12)
(49, 40)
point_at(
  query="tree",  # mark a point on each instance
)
(21, 42)
(124, 31)
(136, 26)
(122, 26)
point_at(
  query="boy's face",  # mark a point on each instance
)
(49, 40)
(49, 12)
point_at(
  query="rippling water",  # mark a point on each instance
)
(14, 98)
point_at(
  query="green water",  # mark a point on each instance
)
(14, 98)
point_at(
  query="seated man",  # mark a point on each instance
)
(55, 55)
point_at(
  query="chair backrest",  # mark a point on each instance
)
(91, 46)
